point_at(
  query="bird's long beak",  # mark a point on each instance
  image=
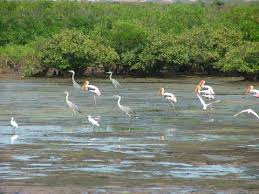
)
(158, 93)
(196, 90)
(247, 90)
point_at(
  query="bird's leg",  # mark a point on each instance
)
(210, 105)
(74, 113)
(94, 99)
(13, 131)
(173, 106)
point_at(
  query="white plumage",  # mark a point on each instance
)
(93, 121)
(168, 96)
(13, 124)
(203, 102)
(252, 91)
(249, 111)
(206, 88)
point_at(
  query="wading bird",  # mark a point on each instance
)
(13, 124)
(252, 91)
(204, 93)
(206, 87)
(75, 85)
(204, 104)
(92, 89)
(124, 109)
(71, 105)
(168, 96)
(249, 111)
(114, 81)
(93, 121)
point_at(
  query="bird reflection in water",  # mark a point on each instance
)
(13, 138)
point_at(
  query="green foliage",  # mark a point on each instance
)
(24, 58)
(72, 49)
(243, 59)
(144, 38)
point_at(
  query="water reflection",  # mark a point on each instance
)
(13, 138)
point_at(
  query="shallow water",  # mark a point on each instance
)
(193, 150)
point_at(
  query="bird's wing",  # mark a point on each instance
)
(94, 89)
(254, 113)
(240, 112)
(201, 100)
(115, 83)
(94, 122)
(208, 96)
(14, 124)
(128, 110)
(98, 118)
(76, 85)
(213, 102)
(210, 89)
(205, 92)
(75, 107)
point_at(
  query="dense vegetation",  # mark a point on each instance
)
(140, 38)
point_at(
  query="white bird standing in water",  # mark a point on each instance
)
(207, 88)
(204, 104)
(93, 121)
(114, 81)
(168, 96)
(75, 84)
(249, 111)
(204, 93)
(71, 105)
(91, 88)
(13, 124)
(124, 109)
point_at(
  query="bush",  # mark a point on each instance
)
(72, 49)
(21, 58)
(146, 38)
(243, 59)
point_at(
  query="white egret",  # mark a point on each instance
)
(168, 96)
(93, 121)
(71, 105)
(75, 84)
(114, 81)
(91, 88)
(13, 124)
(124, 109)
(249, 111)
(204, 104)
